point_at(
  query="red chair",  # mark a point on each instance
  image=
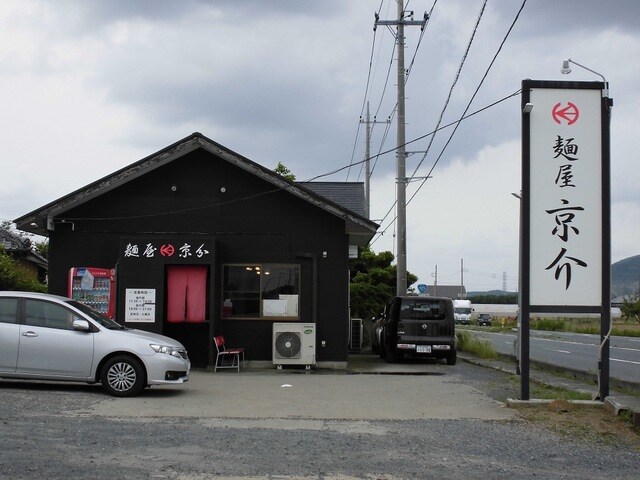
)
(236, 354)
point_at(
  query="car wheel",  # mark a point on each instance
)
(122, 376)
(382, 352)
(391, 356)
(452, 358)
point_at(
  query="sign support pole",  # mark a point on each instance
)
(605, 317)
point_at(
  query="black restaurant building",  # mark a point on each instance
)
(213, 243)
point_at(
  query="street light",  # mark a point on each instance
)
(566, 69)
(605, 316)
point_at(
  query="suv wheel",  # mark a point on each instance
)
(452, 358)
(122, 376)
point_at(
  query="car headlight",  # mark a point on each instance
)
(166, 349)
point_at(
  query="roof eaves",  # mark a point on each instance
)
(33, 221)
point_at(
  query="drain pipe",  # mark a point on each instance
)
(314, 279)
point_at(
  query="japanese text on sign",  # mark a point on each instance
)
(564, 193)
(140, 305)
(168, 250)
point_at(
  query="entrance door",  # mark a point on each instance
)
(187, 293)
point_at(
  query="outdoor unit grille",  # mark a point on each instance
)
(355, 334)
(294, 344)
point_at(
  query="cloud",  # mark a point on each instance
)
(466, 211)
(93, 86)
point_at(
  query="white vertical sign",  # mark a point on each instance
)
(140, 305)
(565, 197)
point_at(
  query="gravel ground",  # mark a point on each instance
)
(49, 432)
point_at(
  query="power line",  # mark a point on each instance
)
(417, 139)
(386, 83)
(517, 92)
(250, 197)
(364, 100)
(486, 73)
(457, 123)
(455, 82)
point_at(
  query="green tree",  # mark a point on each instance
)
(631, 309)
(42, 248)
(373, 282)
(15, 277)
(508, 299)
(284, 172)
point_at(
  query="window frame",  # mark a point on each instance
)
(263, 267)
(16, 317)
(51, 321)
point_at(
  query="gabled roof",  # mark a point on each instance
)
(349, 195)
(40, 221)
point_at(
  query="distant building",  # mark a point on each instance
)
(451, 291)
(619, 301)
(21, 249)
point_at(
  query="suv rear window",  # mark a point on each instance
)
(423, 309)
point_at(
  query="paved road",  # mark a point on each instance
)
(575, 351)
(409, 421)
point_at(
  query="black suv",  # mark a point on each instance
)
(484, 320)
(419, 327)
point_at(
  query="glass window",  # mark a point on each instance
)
(423, 309)
(261, 291)
(8, 310)
(46, 314)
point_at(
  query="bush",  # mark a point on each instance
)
(548, 324)
(15, 277)
(467, 342)
(631, 310)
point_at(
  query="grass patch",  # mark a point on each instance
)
(587, 423)
(546, 392)
(549, 324)
(621, 327)
(482, 348)
(590, 424)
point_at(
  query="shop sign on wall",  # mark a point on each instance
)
(140, 305)
(179, 249)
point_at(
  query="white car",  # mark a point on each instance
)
(47, 337)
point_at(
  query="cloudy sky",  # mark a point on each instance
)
(89, 87)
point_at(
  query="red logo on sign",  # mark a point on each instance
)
(568, 114)
(167, 250)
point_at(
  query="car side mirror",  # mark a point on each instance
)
(80, 325)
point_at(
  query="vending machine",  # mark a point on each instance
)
(94, 287)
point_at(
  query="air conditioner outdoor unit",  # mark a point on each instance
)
(294, 344)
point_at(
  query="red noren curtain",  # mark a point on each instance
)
(186, 293)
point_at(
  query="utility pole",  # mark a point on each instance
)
(367, 158)
(401, 156)
(435, 282)
(462, 278)
(367, 169)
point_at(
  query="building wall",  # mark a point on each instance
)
(250, 222)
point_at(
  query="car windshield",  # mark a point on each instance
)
(465, 310)
(423, 310)
(102, 320)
